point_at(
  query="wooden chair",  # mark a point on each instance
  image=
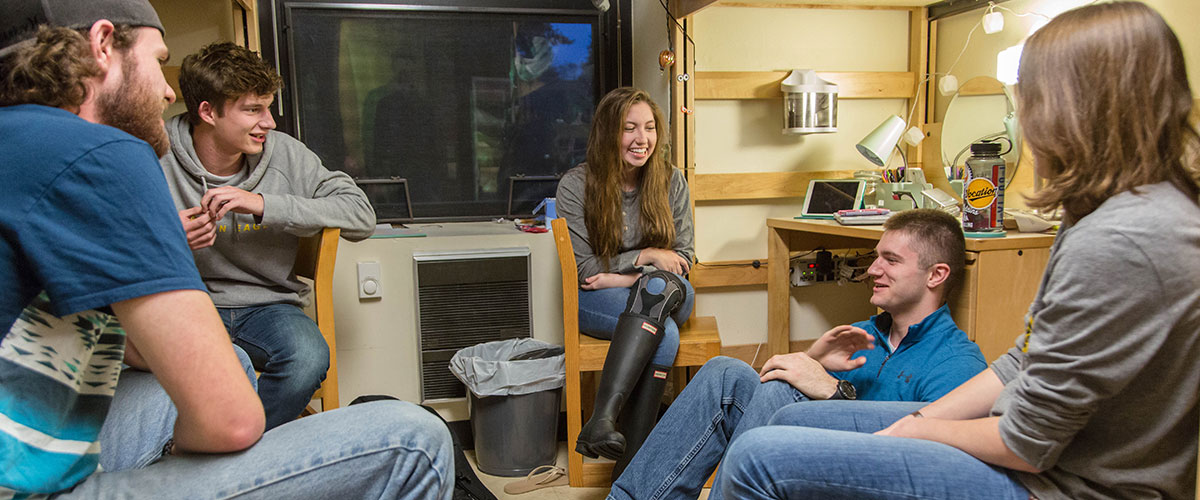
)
(699, 342)
(314, 260)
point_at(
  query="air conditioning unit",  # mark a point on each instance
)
(464, 298)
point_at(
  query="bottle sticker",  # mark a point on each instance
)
(981, 193)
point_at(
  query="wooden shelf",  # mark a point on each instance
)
(728, 273)
(758, 185)
(765, 84)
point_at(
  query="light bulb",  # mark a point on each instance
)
(993, 22)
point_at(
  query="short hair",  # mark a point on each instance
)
(222, 72)
(53, 70)
(1104, 105)
(936, 237)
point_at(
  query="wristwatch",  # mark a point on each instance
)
(845, 390)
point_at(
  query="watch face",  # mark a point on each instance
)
(847, 389)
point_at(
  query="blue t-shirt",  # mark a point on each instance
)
(934, 358)
(85, 221)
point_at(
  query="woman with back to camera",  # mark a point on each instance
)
(1098, 398)
(631, 227)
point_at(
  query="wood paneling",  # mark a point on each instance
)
(765, 84)
(758, 185)
(981, 86)
(835, 6)
(728, 273)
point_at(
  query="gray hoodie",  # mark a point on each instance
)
(251, 261)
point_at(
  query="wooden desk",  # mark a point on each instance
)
(1001, 278)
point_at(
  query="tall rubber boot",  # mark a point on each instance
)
(641, 413)
(639, 331)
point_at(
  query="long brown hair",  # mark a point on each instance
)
(602, 203)
(1104, 101)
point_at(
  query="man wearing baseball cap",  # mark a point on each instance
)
(95, 270)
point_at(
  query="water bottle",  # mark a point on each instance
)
(983, 195)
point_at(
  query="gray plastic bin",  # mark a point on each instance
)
(515, 391)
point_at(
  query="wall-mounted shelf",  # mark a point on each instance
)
(758, 185)
(765, 84)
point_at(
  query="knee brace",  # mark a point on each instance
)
(656, 295)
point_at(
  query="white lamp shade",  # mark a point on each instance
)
(877, 146)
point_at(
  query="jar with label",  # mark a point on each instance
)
(983, 194)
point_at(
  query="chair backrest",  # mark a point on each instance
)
(314, 260)
(570, 283)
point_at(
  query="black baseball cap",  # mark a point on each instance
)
(19, 24)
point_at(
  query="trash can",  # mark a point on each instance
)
(515, 391)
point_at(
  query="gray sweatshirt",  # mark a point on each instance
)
(251, 261)
(571, 193)
(1105, 399)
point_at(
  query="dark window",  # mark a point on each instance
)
(459, 103)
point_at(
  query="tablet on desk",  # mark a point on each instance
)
(826, 196)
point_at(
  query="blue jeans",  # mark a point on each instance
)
(142, 418)
(384, 449)
(825, 449)
(722, 402)
(600, 309)
(289, 351)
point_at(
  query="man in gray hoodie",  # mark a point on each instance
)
(246, 194)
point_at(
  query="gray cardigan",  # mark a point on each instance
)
(570, 198)
(251, 261)
(1105, 399)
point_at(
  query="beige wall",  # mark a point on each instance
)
(377, 339)
(191, 25)
(980, 55)
(745, 136)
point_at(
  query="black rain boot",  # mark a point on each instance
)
(634, 342)
(641, 413)
(638, 333)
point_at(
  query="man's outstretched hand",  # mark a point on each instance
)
(835, 347)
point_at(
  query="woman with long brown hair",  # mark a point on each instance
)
(631, 226)
(1099, 396)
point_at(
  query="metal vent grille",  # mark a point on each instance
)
(466, 298)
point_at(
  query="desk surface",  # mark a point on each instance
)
(1013, 240)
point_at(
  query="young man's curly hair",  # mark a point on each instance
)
(53, 69)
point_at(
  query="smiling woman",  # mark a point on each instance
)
(631, 229)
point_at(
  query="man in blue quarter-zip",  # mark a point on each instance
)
(913, 351)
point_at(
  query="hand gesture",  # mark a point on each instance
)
(222, 200)
(664, 259)
(834, 348)
(609, 280)
(200, 228)
(802, 372)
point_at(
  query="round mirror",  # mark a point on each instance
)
(980, 110)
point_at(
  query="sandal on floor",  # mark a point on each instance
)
(544, 476)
